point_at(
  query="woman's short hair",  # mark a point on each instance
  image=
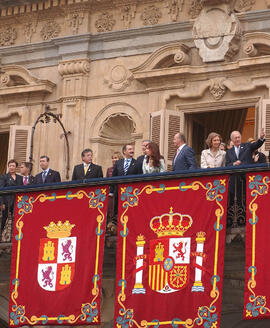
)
(118, 154)
(13, 161)
(210, 137)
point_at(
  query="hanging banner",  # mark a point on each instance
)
(170, 253)
(57, 257)
(257, 270)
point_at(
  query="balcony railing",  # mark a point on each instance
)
(233, 283)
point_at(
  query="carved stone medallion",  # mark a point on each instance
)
(216, 41)
(105, 22)
(217, 88)
(119, 78)
(151, 15)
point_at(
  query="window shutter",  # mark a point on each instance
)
(264, 122)
(19, 143)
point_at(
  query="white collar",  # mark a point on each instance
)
(181, 147)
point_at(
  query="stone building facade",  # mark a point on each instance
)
(126, 70)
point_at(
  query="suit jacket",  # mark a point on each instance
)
(94, 171)
(140, 163)
(185, 160)
(245, 153)
(118, 169)
(6, 180)
(52, 176)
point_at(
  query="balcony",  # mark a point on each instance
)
(233, 287)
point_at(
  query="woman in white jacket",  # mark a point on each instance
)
(213, 156)
(153, 161)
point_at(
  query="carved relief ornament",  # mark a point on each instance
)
(217, 88)
(75, 15)
(105, 22)
(77, 66)
(244, 5)
(119, 78)
(216, 41)
(195, 8)
(8, 35)
(174, 7)
(151, 15)
(50, 29)
(127, 13)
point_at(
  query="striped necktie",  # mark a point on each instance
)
(126, 165)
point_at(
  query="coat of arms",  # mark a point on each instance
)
(57, 253)
(170, 256)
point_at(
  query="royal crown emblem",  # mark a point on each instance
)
(57, 255)
(169, 257)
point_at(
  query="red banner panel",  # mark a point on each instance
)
(57, 256)
(170, 253)
(257, 270)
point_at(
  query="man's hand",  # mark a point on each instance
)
(237, 163)
(262, 134)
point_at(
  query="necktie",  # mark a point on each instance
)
(126, 165)
(44, 176)
(237, 151)
(177, 153)
(25, 180)
(85, 169)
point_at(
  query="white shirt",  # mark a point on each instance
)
(178, 151)
(237, 149)
(151, 169)
(209, 159)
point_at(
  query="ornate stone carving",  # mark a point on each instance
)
(256, 44)
(76, 66)
(8, 35)
(75, 15)
(216, 41)
(151, 15)
(174, 7)
(4, 80)
(267, 3)
(50, 29)
(217, 88)
(244, 5)
(74, 20)
(105, 22)
(195, 8)
(127, 13)
(119, 78)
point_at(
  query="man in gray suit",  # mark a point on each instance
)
(184, 158)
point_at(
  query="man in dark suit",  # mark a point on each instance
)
(87, 170)
(7, 201)
(25, 169)
(184, 158)
(141, 158)
(127, 165)
(241, 153)
(47, 175)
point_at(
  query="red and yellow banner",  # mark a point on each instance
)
(257, 271)
(170, 251)
(57, 256)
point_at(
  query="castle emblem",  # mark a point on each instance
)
(170, 255)
(57, 253)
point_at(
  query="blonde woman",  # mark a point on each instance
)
(213, 156)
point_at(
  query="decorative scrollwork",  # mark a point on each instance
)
(97, 198)
(8, 35)
(105, 22)
(151, 15)
(50, 29)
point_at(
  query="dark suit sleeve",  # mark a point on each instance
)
(74, 174)
(57, 176)
(190, 158)
(100, 172)
(255, 145)
(229, 161)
